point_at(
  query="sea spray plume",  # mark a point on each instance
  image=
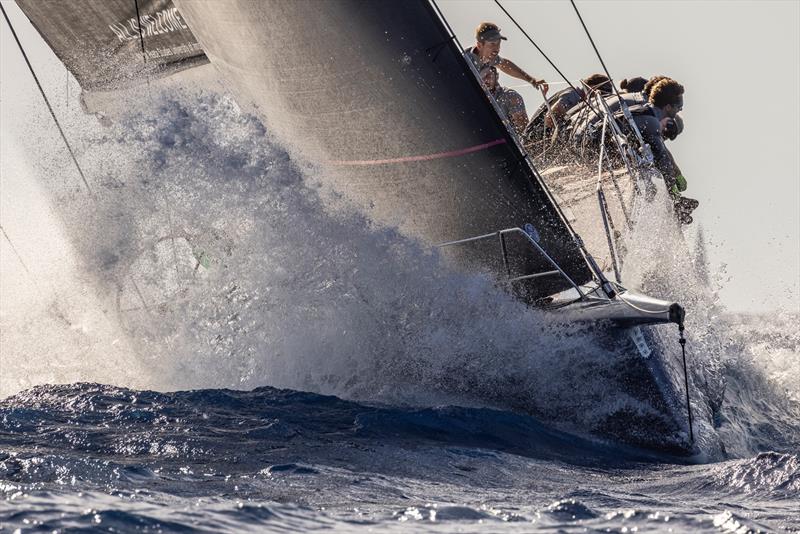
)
(348, 309)
(743, 369)
(659, 262)
(225, 269)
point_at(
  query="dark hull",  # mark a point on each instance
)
(644, 362)
(657, 381)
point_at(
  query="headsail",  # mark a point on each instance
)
(380, 95)
(104, 45)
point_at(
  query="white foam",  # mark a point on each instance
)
(209, 260)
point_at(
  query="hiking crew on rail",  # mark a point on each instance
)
(653, 105)
(486, 52)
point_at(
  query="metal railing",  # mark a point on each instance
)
(501, 236)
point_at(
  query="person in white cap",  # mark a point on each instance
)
(486, 52)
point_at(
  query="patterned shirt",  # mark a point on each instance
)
(509, 101)
(472, 55)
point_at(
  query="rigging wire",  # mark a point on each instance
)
(46, 101)
(623, 104)
(596, 51)
(563, 77)
(16, 252)
(139, 25)
(548, 82)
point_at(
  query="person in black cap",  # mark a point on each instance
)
(509, 101)
(486, 52)
(671, 127)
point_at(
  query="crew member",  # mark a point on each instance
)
(509, 101)
(553, 114)
(652, 83)
(666, 100)
(632, 85)
(596, 83)
(486, 52)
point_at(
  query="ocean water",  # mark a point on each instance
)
(224, 344)
(86, 456)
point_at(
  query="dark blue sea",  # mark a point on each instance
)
(230, 346)
(88, 457)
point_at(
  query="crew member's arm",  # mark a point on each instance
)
(650, 129)
(673, 177)
(510, 68)
(680, 182)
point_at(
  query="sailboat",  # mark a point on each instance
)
(379, 97)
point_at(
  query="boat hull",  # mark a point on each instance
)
(641, 334)
(651, 373)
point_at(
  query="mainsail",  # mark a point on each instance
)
(379, 94)
(107, 44)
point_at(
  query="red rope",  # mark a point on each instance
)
(424, 157)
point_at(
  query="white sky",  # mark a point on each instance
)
(739, 62)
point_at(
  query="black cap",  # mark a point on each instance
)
(488, 31)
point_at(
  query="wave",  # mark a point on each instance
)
(91, 455)
(216, 260)
(284, 429)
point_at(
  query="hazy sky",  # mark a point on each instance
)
(739, 62)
